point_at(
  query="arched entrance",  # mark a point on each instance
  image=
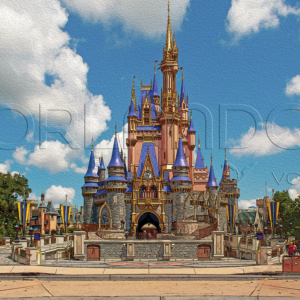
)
(148, 226)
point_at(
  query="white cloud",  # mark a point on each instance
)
(250, 16)
(148, 17)
(5, 167)
(20, 154)
(245, 204)
(293, 87)
(33, 196)
(266, 142)
(76, 169)
(33, 45)
(295, 190)
(57, 194)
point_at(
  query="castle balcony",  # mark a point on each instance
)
(89, 191)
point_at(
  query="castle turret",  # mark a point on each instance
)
(101, 169)
(155, 94)
(201, 174)
(212, 182)
(115, 186)
(89, 189)
(42, 211)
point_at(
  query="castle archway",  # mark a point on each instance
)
(148, 224)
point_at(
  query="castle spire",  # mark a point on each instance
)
(91, 172)
(133, 94)
(169, 31)
(200, 160)
(212, 179)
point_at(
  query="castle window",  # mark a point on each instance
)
(164, 155)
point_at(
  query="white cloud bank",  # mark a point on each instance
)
(266, 142)
(295, 190)
(57, 194)
(250, 16)
(33, 46)
(148, 17)
(245, 204)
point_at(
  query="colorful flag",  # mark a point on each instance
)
(231, 216)
(65, 212)
(273, 208)
(23, 212)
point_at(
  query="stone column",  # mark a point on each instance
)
(79, 237)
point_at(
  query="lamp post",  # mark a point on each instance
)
(5, 225)
(21, 227)
(17, 232)
(281, 229)
(236, 227)
(256, 225)
(276, 227)
(31, 233)
(266, 231)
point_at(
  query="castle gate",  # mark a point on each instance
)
(203, 252)
(93, 252)
(148, 226)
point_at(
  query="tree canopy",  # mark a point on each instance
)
(289, 211)
(10, 185)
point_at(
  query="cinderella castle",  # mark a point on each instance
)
(165, 185)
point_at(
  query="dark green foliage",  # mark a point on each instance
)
(289, 211)
(10, 184)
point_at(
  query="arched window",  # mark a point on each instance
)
(153, 192)
(142, 192)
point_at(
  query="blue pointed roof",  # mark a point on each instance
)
(180, 157)
(154, 87)
(132, 112)
(116, 160)
(182, 95)
(212, 179)
(143, 156)
(199, 161)
(191, 127)
(142, 101)
(102, 166)
(125, 171)
(91, 171)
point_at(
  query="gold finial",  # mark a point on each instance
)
(211, 159)
(169, 31)
(182, 74)
(191, 114)
(154, 66)
(199, 142)
(225, 154)
(133, 94)
(92, 144)
(116, 130)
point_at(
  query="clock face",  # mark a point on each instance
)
(148, 175)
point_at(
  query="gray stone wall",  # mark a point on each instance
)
(88, 206)
(116, 203)
(146, 250)
(95, 214)
(169, 213)
(113, 250)
(128, 216)
(178, 203)
(223, 218)
(185, 250)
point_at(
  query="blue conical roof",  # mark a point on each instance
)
(102, 166)
(182, 95)
(132, 112)
(199, 161)
(212, 179)
(116, 160)
(154, 87)
(191, 127)
(91, 172)
(125, 171)
(180, 157)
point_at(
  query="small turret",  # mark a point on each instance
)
(101, 169)
(155, 94)
(199, 161)
(212, 182)
(191, 134)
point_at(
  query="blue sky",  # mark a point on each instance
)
(67, 66)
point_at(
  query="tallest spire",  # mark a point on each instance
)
(169, 39)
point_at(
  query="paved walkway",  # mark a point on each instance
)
(141, 289)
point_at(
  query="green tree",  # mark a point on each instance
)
(9, 185)
(289, 212)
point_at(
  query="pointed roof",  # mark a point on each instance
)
(132, 112)
(91, 171)
(148, 148)
(102, 166)
(191, 126)
(226, 167)
(182, 95)
(154, 86)
(212, 179)
(180, 157)
(116, 160)
(199, 161)
(169, 40)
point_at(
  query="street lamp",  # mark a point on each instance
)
(266, 231)
(237, 227)
(5, 225)
(31, 233)
(17, 232)
(281, 229)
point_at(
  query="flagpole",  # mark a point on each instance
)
(66, 214)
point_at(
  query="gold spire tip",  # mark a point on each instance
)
(199, 142)
(225, 154)
(211, 159)
(92, 144)
(182, 74)
(116, 130)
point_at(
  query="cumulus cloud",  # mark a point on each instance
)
(147, 17)
(270, 140)
(250, 16)
(43, 74)
(245, 204)
(57, 194)
(5, 167)
(20, 154)
(294, 192)
(293, 87)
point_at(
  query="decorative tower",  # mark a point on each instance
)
(191, 146)
(180, 184)
(155, 94)
(42, 210)
(200, 171)
(115, 186)
(89, 189)
(101, 169)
